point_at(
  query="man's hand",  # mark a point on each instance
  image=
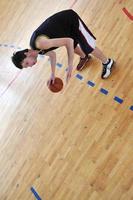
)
(51, 79)
(52, 57)
(69, 73)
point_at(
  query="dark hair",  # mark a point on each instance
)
(18, 57)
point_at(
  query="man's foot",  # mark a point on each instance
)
(107, 69)
(82, 62)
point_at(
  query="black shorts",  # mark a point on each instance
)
(83, 36)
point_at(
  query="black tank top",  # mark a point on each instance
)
(59, 25)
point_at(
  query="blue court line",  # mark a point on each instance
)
(119, 100)
(104, 91)
(10, 46)
(59, 65)
(79, 76)
(35, 194)
(131, 108)
(90, 83)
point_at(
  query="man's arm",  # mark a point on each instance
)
(52, 56)
(44, 43)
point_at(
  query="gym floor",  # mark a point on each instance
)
(76, 144)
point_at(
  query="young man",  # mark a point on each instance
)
(67, 29)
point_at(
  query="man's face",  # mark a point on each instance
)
(31, 59)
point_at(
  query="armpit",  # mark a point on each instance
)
(40, 41)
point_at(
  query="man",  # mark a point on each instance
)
(67, 29)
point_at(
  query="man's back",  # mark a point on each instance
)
(58, 25)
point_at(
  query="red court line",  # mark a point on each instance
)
(120, 1)
(128, 14)
(73, 3)
(12, 81)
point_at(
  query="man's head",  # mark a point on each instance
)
(25, 58)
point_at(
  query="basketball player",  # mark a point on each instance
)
(66, 29)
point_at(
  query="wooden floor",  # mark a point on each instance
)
(78, 144)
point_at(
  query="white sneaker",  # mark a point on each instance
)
(107, 69)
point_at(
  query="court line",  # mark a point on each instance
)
(35, 194)
(79, 76)
(10, 46)
(16, 76)
(10, 83)
(118, 99)
(129, 15)
(105, 92)
(90, 83)
(59, 65)
(120, 1)
(131, 108)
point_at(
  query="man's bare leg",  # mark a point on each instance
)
(99, 54)
(107, 62)
(79, 52)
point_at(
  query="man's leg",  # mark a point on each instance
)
(99, 54)
(79, 51)
(106, 62)
(87, 42)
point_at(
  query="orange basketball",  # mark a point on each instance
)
(57, 86)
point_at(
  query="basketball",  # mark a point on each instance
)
(57, 86)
